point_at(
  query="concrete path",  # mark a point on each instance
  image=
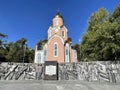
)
(57, 85)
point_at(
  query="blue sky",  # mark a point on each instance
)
(31, 18)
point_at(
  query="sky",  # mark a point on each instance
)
(31, 19)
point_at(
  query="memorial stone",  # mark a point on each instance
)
(51, 70)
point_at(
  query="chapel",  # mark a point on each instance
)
(57, 46)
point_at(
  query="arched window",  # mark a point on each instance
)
(55, 49)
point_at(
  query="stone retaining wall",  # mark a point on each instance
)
(20, 71)
(89, 71)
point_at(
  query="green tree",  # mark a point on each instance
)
(15, 51)
(19, 51)
(102, 38)
(2, 47)
(30, 55)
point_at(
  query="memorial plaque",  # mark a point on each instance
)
(51, 70)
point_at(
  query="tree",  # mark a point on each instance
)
(15, 51)
(2, 47)
(102, 38)
(19, 52)
(29, 55)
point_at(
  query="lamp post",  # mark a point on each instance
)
(24, 50)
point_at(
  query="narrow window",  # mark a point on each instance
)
(63, 34)
(55, 49)
(67, 54)
(39, 58)
(45, 54)
(66, 51)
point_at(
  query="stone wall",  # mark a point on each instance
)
(89, 71)
(20, 71)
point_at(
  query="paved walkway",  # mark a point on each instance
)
(57, 85)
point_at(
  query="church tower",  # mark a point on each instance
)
(58, 27)
(58, 45)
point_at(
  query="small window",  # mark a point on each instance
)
(55, 49)
(63, 34)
